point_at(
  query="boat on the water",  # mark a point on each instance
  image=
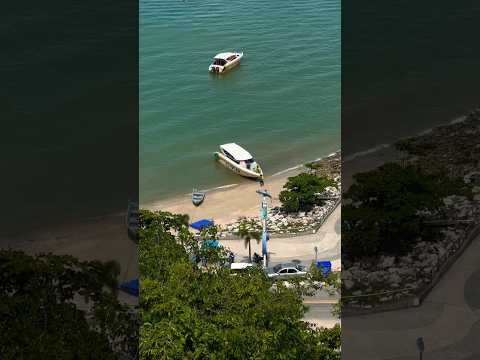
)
(225, 61)
(239, 160)
(197, 197)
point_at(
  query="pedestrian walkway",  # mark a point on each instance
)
(448, 320)
(326, 239)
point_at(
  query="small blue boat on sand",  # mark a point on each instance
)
(197, 197)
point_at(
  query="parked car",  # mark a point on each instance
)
(240, 266)
(237, 268)
(286, 271)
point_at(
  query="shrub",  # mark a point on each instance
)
(381, 215)
(301, 191)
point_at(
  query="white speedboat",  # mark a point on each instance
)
(239, 160)
(225, 61)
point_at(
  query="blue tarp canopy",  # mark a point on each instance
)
(324, 266)
(211, 243)
(201, 223)
(131, 287)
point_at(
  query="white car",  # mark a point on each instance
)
(240, 267)
(286, 271)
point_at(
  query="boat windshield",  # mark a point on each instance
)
(220, 62)
(227, 154)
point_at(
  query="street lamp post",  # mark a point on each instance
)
(420, 347)
(263, 218)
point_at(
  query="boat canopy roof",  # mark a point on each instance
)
(225, 55)
(236, 151)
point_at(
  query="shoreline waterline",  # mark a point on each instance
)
(283, 174)
(380, 147)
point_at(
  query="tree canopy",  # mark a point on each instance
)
(301, 191)
(41, 316)
(382, 209)
(192, 312)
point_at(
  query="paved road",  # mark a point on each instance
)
(448, 320)
(326, 239)
(320, 314)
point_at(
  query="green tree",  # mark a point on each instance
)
(382, 209)
(57, 307)
(190, 313)
(248, 230)
(301, 192)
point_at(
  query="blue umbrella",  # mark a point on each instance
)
(198, 225)
(131, 287)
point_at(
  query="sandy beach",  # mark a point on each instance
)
(101, 238)
(227, 205)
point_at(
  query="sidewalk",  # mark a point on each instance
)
(448, 320)
(327, 240)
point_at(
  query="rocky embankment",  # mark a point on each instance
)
(281, 222)
(454, 150)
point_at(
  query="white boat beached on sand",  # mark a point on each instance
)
(225, 61)
(239, 160)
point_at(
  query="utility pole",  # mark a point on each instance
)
(263, 218)
(420, 347)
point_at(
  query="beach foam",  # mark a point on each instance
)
(298, 166)
(366, 152)
(384, 146)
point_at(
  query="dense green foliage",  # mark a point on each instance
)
(300, 192)
(192, 312)
(382, 211)
(41, 316)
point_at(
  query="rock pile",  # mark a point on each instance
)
(453, 147)
(281, 222)
(384, 279)
(394, 277)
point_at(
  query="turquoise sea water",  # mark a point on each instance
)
(282, 103)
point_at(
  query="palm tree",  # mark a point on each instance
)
(248, 230)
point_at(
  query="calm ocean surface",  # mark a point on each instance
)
(282, 103)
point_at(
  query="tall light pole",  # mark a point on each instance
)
(420, 347)
(263, 218)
